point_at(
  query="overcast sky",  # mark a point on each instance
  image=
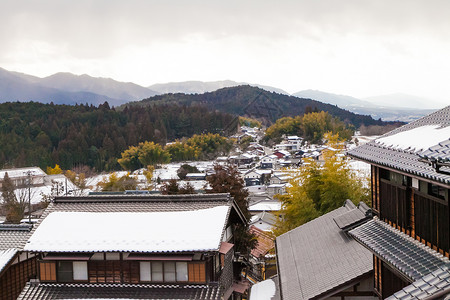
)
(358, 48)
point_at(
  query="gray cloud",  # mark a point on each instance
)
(104, 24)
(93, 30)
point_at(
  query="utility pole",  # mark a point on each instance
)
(29, 173)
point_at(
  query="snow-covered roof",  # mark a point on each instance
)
(264, 290)
(22, 172)
(285, 153)
(6, 256)
(276, 185)
(167, 231)
(261, 171)
(416, 139)
(266, 206)
(195, 174)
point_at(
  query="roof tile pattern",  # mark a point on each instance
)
(354, 216)
(437, 281)
(318, 256)
(410, 257)
(409, 161)
(265, 242)
(34, 291)
(14, 236)
(440, 152)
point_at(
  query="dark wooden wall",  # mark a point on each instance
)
(412, 211)
(15, 277)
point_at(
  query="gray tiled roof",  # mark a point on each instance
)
(34, 291)
(413, 259)
(409, 161)
(317, 257)
(440, 152)
(139, 203)
(354, 216)
(14, 236)
(432, 284)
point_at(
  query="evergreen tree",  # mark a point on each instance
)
(14, 208)
(8, 189)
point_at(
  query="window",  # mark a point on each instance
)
(65, 271)
(436, 191)
(157, 271)
(145, 271)
(80, 270)
(168, 271)
(384, 174)
(182, 271)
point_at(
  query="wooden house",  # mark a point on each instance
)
(410, 234)
(16, 266)
(144, 246)
(318, 260)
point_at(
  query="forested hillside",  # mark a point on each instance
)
(257, 103)
(47, 134)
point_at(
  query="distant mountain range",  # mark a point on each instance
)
(395, 107)
(67, 88)
(200, 87)
(256, 103)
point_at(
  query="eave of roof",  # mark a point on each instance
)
(6, 256)
(405, 254)
(407, 160)
(35, 291)
(433, 285)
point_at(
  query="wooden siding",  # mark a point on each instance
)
(377, 275)
(390, 282)
(416, 213)
(395, 205)
(15, 277)
(113, 271)
(432, 223)
(47, 271)
(197, 272)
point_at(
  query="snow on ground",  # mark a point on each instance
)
(130, 232)
(95, 180)
(54, 185)
(169, 171)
